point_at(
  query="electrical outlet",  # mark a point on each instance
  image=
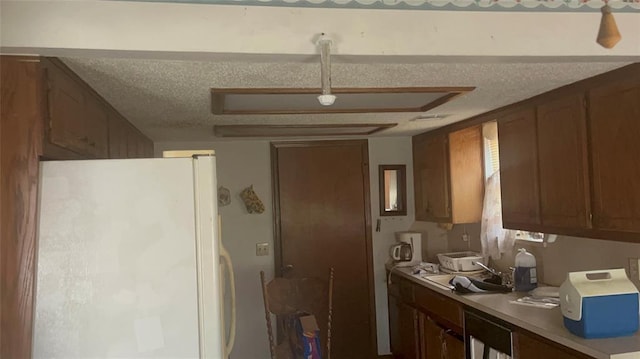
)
(262, 249)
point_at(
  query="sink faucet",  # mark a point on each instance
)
(490, 270)
(505, 278)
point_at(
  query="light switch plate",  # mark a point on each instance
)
(262, 249)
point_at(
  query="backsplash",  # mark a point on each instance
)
(567, 254)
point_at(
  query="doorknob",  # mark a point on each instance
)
(287, 268)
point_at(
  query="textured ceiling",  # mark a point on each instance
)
(170, 100)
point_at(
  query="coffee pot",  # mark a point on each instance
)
(402, 252)
(407, 250)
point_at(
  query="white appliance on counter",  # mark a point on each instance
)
(129, 260)
(409, 242)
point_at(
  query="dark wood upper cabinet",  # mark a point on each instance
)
(66, 100)
(614, 129)
(563, 163)
(519, 169)
(97, 128)
(431, 178)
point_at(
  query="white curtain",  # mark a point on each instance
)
(495, 240)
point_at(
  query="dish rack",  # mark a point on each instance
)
(461, 261)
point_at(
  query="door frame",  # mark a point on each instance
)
(277, 235)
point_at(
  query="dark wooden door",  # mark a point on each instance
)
(614, 129)
(431, 338)
(321, 191)
(431, 154)
(519, 169)
(562, 162)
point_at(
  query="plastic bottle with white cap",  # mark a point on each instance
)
(525, 277)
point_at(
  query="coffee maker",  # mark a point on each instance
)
(408, 250)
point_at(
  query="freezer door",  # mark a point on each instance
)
(118, 261)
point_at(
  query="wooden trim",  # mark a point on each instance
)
(218, 99)
(339, 90)
(21, 143)
(369, 246)
(277, 232)
(375, 127)
(402, 189)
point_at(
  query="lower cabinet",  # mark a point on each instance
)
(415, 332)
(438, 341)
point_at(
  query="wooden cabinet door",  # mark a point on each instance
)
(97, 128)
(562, 162)
(431, 339)
(614, 129)
(134, 144)
(466, 175)
(431, 178)
(452, 345)
(118, 136)
(439, 342)
(519, 169)
(66, 100)
(408, 332)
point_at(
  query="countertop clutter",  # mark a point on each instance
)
(546, 323)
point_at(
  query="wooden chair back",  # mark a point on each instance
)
(288, 297)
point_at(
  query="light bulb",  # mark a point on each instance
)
(327, 100)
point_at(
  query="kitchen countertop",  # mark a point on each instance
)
(547, 323)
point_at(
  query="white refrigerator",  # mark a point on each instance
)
(129, 261)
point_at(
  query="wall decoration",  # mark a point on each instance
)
(251, 200)
(224, 196)
(440, 5)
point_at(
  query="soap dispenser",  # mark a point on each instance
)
(525, 276)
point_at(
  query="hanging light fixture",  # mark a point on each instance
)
(326, 99)
(608, 34)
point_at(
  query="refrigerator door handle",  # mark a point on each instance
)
(232, 286)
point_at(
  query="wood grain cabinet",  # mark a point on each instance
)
(569, 165)
(440, 342)
(614, 128)
(519, 169)
(448, 179)
(562, 163)
(423, 324)
(431, 178)
(81, 124)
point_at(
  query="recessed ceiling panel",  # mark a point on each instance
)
(298, 130)
(353, 100)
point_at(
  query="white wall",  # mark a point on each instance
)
(43, 26)
(242, 163)
(387, 151)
